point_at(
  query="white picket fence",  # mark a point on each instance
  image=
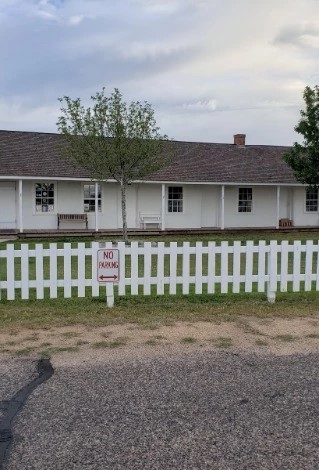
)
(158, 268)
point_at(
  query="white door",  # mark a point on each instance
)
(7, 205)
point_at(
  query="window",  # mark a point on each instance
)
(89, 197)
(175, 199)
(311, 200)
(245, 200)
(44, 197)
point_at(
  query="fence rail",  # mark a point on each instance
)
(149, 268)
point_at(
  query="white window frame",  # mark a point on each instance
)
(55, 198)
(252, 201)
(306, 199)
(92, 198)
(182, 200)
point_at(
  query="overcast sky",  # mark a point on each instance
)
(210, 68)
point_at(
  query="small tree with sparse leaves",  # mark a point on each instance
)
(113, 140)
(304, 158)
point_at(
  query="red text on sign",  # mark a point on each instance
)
(108, 265)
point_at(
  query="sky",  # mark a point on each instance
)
(209, 68)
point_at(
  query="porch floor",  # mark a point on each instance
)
(145, 232)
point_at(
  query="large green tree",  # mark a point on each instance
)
(112, 140)
(304, 158)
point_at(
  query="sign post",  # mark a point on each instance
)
(108, 271)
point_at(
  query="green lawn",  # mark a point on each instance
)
(218, 237)
(152, 312)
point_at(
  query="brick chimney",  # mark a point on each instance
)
(239, 139)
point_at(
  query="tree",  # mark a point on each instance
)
(112, 140)
(304, 158)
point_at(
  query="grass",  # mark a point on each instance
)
(105, 334)
(188, 340)
(24, 351)
(223, 342)
(33, 337)
(247, 328)
(116, 343)
(70, 334)
(205, 237)
(151, 312)
(286, 338)
(313, 335)
(151, 342)
(261, 342)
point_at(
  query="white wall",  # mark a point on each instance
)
(8, 205)
(201, 206)
(191, 217)
(210, 206)
(264, 213)
(299, 215)
(69, 199)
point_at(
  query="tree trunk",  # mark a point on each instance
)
(124, 221)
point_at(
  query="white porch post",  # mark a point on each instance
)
(96, 207)
(291, 204)
(20, 208)
(222, 208)
(278, 207)
(163, 205)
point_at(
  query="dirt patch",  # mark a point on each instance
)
(274, 336)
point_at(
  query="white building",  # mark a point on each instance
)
(207, 185)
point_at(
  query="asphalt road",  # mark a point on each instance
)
(194, 411)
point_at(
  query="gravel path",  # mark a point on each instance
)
(196, 410)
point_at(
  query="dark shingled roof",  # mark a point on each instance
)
(39, 155)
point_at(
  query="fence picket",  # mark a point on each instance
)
(95, 283)
(305, 268)
(67, 270)
(10, 272)
(272, 271)
(134, 268)
(236, 267)
(147, 268)
(39, 271)
(186, 267)
(296, 266)
(211, 267)
(224, 267)
(53, 270)
(81, 270)
(308, 265)
(261, 266)
(284, 266)
(160, 268)
(199, 268)
(122, 285)
(24, 271)
(172, 267)
(249, 266)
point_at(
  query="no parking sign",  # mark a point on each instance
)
(108, 266)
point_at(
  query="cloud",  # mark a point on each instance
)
(202, 106)
(302, 35)
(186, 57)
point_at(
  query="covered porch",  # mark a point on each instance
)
(32, 206)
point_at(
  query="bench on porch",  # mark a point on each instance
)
(150, 218)
(285, 223)
(73, 218)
